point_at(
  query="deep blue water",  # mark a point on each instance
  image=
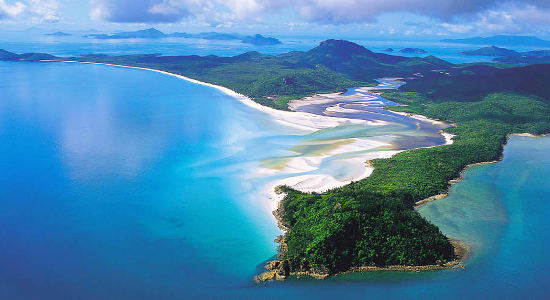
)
(122, 183)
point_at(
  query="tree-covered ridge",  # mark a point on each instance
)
(337, 230)
(473, 83)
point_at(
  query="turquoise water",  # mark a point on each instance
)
(121, 183)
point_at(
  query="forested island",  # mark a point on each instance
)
(491, 51)
(152, 33)
(372, 224)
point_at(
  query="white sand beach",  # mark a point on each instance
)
(299, 120)
(355, 151)
(320, 183)
(420, 117)
(334, 97)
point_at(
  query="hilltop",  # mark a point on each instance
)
(491, 51)
(58, 33)
(6, 55)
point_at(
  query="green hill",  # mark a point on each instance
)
(492, 51)
(6, 55)
(467, 87)
(330, 67)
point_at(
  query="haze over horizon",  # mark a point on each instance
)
(346, 18)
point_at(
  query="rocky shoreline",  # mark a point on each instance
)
(280, 269)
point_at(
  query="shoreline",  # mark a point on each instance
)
(462, 249)
(461, 176)
(307, 122)
(279, 269)
(294, 119)
(313, 122)
(298, 120)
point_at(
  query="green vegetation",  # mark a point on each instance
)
(492, 51)
(372, 221)
(356, 227)
(473, 83)
(271, 80)
(266, 79)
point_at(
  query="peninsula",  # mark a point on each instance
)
(371, 224)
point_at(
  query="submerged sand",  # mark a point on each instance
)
(355, 150)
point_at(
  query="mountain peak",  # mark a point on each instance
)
(7, 55)
(491, 51)
(152, 29)
(343, 47)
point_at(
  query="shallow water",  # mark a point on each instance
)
(128, 183)
(360, 103)
(120, 181)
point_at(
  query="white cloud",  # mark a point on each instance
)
(36, 11)
(322, 11)
(11, 11)
(448, 16)
(457, 28)
(44, 10)
(144, 11)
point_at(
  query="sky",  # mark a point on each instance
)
(406, 18)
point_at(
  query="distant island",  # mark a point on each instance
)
(150, 33)
(502, 40)
(260, 40)
(491, 51)
(503, 55)
(58, 33)
(371, 224)
(528, 58)
(9, 56)
(153, 33)
(388, 50)
(413, 50)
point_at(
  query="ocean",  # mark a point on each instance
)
(125, 183)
